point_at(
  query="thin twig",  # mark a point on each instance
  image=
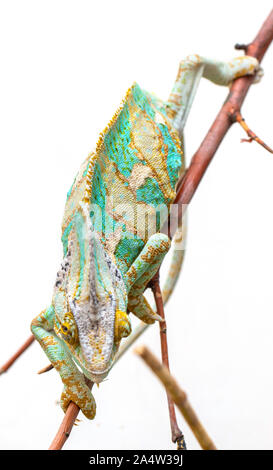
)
(18, 353)
(178, 396)
(46, 369)
(241, 47)
(177, 435)
(239, 118)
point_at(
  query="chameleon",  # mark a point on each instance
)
(112, 243)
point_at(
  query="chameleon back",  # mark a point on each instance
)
(134, 169)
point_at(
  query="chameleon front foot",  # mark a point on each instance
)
(81, 396)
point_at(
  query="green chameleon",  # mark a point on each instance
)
(111, 237)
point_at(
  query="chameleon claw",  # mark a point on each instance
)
(157, 317)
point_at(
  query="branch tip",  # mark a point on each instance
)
(179, 397)
(45, 369)
(241, 47)
(237, 117)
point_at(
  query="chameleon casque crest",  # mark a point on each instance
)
(110, 254)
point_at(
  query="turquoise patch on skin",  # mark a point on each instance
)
(151, 188)
(117, 144)
(98, 197)
(128, 248)
(110, 226)
(141, 100)
(65, 237)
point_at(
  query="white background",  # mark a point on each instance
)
(65, 66)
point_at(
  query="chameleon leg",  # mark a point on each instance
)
(152, 254)
(140, 307)
(141, 272)
(189, 74)
(75, 388)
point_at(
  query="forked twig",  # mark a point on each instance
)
(177, 435)
(237, 117)
(178, 396)
(238, 91)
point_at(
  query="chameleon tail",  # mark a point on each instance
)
(178, 254)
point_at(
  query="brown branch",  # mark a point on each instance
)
(177, 435)
(223, 121)
(237, 117)
(66, 426)
(18, 353)
(178, 396)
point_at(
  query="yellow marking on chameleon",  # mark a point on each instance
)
(122, 325)
(49, 341)
(100, 143)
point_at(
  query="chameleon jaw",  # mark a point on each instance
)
(97, 377)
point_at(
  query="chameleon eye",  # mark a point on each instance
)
(65, 330)
(122, 325)
(69, 329)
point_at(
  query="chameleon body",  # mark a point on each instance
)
(111, 236)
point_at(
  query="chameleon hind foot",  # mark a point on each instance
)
(141, 308)
(81, 395)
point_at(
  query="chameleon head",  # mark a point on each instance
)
(90, 302)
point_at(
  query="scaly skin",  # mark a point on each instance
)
(114, 211)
